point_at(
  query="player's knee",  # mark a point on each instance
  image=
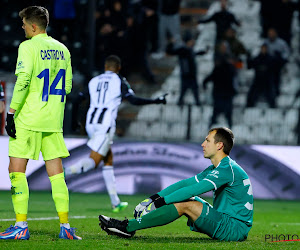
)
(189, 207)
(108, 159)
(96, 157)
(108, 162)
(184, 207)
(97, 161)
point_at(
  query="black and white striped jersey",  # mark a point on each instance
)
(106, 93)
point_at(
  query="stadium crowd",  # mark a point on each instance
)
(139, 30)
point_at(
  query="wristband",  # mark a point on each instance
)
(154, 197)
(160, 202)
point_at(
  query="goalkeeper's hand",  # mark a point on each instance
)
(10, 125)
(156, 204)
(141, 206)
(161, 99)
(151, 207)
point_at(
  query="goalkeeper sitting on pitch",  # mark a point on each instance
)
(230, 219)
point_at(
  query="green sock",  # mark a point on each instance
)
(60, 195)
(158, 217)
(20, 194)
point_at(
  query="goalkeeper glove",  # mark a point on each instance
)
(161, 99)
(141, 206)
(152, 206)
(10, 125)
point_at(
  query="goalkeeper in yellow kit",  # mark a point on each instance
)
(35, 119)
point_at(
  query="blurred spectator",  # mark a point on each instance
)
(188, 67)
(298, 9)
(223, 19)
(223, 52)
(113, 33)
(236, 47)
(284, 23)
(268, 12)
(279, 49)
(2, 108)
(64, 21)
(151, 23)
(169, 25)
(110, 6)
(277, 14)
(139, 40)
(263, 83)
(223, 78)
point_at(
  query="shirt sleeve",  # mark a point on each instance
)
(68, 86)
(127, 93)
(201, 52)
(25, 60)
(208, 19)
(23, 72)
(184, 183)
(20, 90)
(176, 186)
(126, 90)
(212, 180)
(189, 191)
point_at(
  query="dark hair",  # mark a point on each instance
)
(36, 14)
(226, 136)
(113, 61)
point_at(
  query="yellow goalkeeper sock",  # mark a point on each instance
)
(60, 195)
(20, 195)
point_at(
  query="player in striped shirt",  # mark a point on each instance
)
(106, 93)
(35, 119)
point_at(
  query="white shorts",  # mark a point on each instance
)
(100, 137)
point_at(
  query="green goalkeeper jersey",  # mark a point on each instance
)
(231, 186)
(44, 78)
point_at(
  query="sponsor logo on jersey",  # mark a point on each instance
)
(214, 173)
(20, 65)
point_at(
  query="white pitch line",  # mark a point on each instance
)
(51, 218)
(288, 223)
(280, 223)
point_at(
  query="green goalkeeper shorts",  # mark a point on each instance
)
(218, 225)
(29, 144)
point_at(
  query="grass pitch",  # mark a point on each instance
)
(272, 218)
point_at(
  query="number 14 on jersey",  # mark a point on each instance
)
(53, 91)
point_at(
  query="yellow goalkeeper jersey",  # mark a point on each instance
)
(44, 78)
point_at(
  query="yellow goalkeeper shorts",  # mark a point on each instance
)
(29, 144)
